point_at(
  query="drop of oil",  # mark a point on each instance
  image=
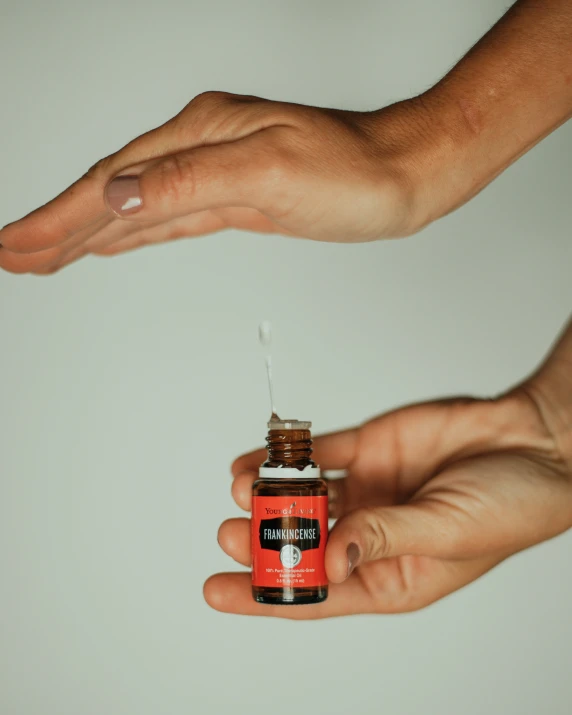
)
(265, 333)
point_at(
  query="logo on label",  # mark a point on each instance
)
(292, 510)
(290, 556)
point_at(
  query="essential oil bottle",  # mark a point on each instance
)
(289, 520)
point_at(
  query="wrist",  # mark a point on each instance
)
(431, 148)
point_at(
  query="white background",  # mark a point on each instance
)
(129, 384)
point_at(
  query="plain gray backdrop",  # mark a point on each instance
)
(129, 384)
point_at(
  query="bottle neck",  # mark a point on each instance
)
(290, 448)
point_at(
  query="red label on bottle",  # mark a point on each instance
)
(289, 537)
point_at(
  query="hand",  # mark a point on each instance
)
(229, 161)
(437, 494)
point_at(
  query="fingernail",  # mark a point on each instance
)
(353, 557)
(123, 195)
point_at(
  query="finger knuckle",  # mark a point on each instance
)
(99, 171)
(210, 98)
(175, 178)
(375, 534)
(208, 114)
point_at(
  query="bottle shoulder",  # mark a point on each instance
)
(295, 464)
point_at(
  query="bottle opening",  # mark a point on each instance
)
(275, 423)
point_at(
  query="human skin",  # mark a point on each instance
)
(244, 162)
(436, 495)
(439, 493)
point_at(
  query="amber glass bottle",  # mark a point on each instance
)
(289, 520)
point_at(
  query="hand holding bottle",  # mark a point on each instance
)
(436, 495)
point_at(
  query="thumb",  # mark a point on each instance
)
(417, 529)
(208, 177)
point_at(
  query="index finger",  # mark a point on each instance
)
(79, 209)
(336, 450)
(232, 593)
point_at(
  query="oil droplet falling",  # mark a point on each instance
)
(265, 338)
(265, 333)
